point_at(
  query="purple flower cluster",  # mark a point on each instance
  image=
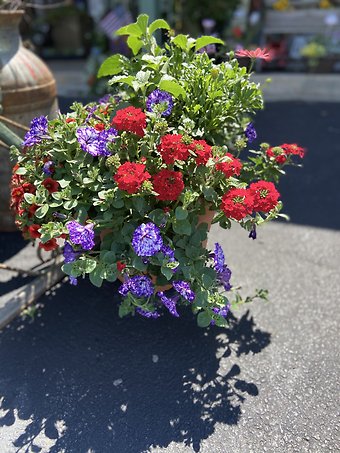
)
(73, 280)
(161, 98)
(147, 314)
(218, 258)
(139, 285)
(81, 235)
(147, 239)
(252, 234)
(250, 132)
(184, 289)
(95, 142)
(38, 131)
(223, 278)
(69, 253)
(222, 311)
(169, 303)
(48, 167)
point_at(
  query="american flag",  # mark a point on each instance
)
(114, 20)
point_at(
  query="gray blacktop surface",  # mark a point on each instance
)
(78, 379)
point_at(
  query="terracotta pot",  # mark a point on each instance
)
(28, 90)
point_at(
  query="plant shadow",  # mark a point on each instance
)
(86, 380)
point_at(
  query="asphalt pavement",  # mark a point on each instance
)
(78, 379)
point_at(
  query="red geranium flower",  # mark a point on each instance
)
(168, 184)
(265, 195)
(237, 203)
(278, 154)
(263, 54)
(120, 266)
(294, 149)
(70, 120)
(51, 185)
(172, 148)
(33, 231)
(130, 119)
(130, 176)
(231, 167)
(49, 245)
(202, 150)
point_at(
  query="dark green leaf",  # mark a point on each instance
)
(95, 277)
(181, 213)
(203, 319)
(182, 227)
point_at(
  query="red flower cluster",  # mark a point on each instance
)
(168, 184)
(172, 148)
(265, 195)
(120, 266)
(130, 119)
(281, 153)
(202, 150)
(51, 185)
(237, 203)
(294, 149)
(232, 167)
(130, 176)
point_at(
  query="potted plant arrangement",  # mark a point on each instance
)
(129, 186)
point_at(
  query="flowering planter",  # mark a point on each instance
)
(132, 186)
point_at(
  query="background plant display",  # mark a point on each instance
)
(126, 186)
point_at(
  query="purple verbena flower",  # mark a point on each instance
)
(218, 258)
(184, 289)
(147, 314)
(250, 132)
(169, 303)
(161, 98)
(223, 278)
(81, 235)
(147, 239)
(38, 131)
(69, 253)
(73, 280)
(48, 167)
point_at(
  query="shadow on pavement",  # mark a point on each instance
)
(93, 382)
(310, 194)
